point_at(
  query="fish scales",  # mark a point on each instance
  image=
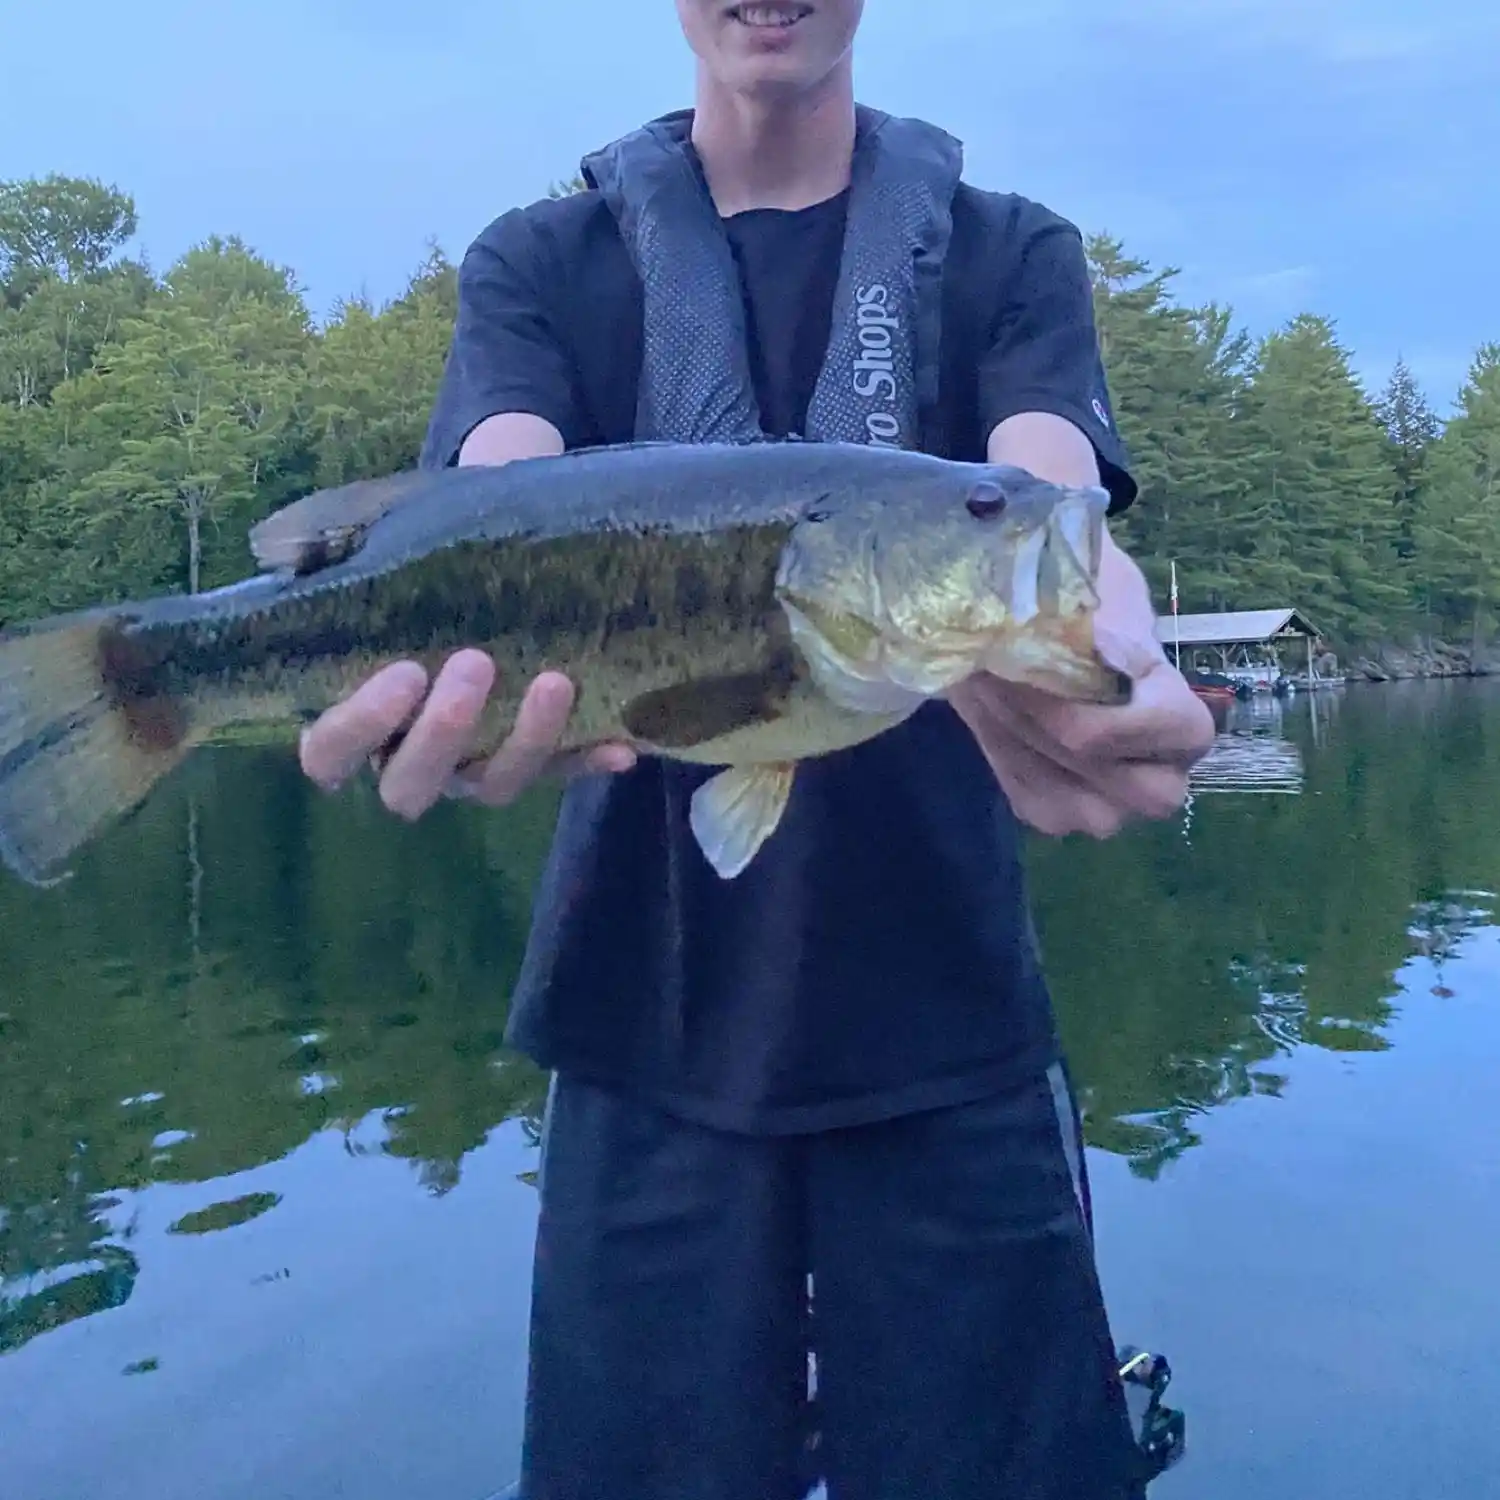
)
(623, 613)
(629, 569)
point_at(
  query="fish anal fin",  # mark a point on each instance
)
(707, 708)
(330, 524)
(735, 812)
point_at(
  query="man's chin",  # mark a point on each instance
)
(779, 81)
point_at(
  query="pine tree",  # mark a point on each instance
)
(1327, 528)
(1457, 559)
(1177, 376)
(1411, 427)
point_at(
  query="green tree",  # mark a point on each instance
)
(1457, 559)
(54, 331)
(62, 291)
(1178, 377)
(146, 421)
(184, 418)
(67, 227)
(1325, 527)
(374, 376)
(1411, 427)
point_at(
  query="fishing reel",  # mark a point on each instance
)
(1160, 1431)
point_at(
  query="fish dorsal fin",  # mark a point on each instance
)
(329, 525)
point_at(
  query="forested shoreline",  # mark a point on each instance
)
(147, 418)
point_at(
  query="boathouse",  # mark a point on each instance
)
(1241, 641)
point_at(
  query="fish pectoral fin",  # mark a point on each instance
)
(733, 814)
(708, 708)
(329, 525)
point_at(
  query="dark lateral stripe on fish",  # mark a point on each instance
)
(466, 594)
(129, 671)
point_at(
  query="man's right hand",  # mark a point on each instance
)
(440, 737)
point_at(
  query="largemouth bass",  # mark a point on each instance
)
(745, 606)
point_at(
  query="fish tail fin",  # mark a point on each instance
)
(78, 752)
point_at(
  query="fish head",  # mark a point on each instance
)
(897, 593)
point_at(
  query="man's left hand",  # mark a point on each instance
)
(1079, 768)
(1074, 767)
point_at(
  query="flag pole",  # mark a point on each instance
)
(1176, 626)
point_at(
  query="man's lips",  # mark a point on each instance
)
(768, 14)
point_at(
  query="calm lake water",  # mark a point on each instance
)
(265, 1208)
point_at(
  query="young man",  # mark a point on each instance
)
(843, 1063)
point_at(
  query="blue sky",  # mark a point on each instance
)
(1333, 155)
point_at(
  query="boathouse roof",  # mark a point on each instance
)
(1239, 627)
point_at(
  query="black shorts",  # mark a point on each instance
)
(961, 1346)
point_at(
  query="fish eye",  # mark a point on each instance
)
(986, 500)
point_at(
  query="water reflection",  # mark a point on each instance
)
(1251, 751)
(248, 967)
(241, 967)
(225, 1215)
(1190, 961)
(103, 1280)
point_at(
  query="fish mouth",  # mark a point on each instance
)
(1078, 530)
(772, 15)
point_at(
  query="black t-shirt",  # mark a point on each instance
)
(877, 956)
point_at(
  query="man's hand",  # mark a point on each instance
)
(440, 737)
(1073, 767)
(440, 731)
(1078, 768)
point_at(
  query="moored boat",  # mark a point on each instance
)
(1215, 687)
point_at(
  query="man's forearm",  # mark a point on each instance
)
(510, 435)
(1049, 446)
(1123, 584)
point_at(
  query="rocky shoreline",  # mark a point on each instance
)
(1393, 663)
